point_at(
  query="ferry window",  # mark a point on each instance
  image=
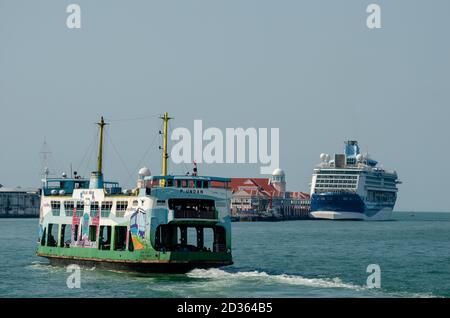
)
(92, 233)
(66, 235)
(94, 209)
(80, 185)
(170, 182)
(205, 184)
(52, 235)
(135, 203)
(182, 235)
(106, 208)
(44, 236)
(198, 184)
(68, 208)
(53, 184)
(56, 207)
(193, 208)
(105, 237)
(219, 239)
(184, 183)
(165, 237)
(191, 236)
(208, 237)
(158, 238)
(130, 243)
(184, 238)
(122, 205)
(80, 208)
(120, 237)
(75, 232)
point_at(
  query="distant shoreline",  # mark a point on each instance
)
(256, 219)
(19, 217)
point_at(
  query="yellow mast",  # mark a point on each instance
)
(101, 124)
(165, 155)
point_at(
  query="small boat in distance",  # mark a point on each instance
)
(166, 224)
(352, 187)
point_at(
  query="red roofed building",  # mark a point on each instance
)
(267, 197)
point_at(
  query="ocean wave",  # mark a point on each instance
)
(414, 295)
(43, 266)
(39, 265)
(47, 266)
(219, 274)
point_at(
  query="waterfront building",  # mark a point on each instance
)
(255, 198)
(19, 202)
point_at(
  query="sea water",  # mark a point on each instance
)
(271, 259)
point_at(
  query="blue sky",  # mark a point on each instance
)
(311, 68)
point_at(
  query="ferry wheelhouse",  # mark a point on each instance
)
(166, 224)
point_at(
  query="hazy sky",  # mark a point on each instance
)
(311, 68)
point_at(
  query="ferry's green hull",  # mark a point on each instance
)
(140, 261)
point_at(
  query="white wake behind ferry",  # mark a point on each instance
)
(352, 187)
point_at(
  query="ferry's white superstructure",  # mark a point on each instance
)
(353, 187)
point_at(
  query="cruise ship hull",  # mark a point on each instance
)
(382, 215)
(347, 206)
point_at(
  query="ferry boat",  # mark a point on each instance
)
(168, 223)
(352, 187)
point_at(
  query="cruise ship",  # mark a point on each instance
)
(352, 187)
